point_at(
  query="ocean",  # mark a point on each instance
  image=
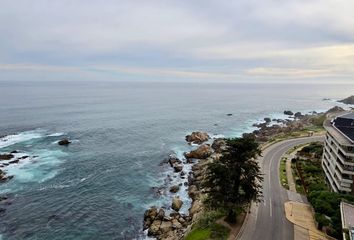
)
(99, 186)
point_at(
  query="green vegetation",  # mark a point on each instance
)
(206, 228)
(326, 205)
(282, 173)
(318, 120)
(231, 183)
(235, 179)
(310, 180)
(313, 150)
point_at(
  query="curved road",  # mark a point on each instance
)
(267, 219)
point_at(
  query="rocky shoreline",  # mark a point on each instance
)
(161, 225)
(174, 225)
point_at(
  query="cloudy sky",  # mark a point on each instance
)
(214, 40)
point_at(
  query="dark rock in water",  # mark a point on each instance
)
(288, 112)
(64, 142)
(229, 114)
(23, 157)
(5, 200)
(348, 100)
(298, 115)
(176, 204)
(174, 160)
(15, 151)
(197, 137)
(14, 161)
(2, 210)
(4, 177)
(6, 156)
(267, 120)
(53, 217)
(178, 168)
(174, 189)
(158, 191)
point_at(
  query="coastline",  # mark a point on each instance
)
(266, 128)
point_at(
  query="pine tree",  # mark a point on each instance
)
(234, 179)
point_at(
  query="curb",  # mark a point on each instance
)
(245, 220)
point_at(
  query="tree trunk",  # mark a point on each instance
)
(231, 216)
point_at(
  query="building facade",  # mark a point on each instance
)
(338, 154)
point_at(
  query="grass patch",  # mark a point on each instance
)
(199, 234)
(206, 228)
(214, 231)
(282, 173)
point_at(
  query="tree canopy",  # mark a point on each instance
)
(235, 178)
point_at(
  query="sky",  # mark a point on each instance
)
(182, 40)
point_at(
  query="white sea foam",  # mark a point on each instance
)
(56, 134)
(215, 136)
(37, 169)
(18, 138)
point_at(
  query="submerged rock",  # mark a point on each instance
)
(14, 161)
(197, 137)
(64, 142)
(4, 177)
(174, 189)
(178, 168)
(174, 160)
(6, 156)
(288, 112)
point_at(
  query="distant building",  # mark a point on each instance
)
(338, 154)
(347, 215)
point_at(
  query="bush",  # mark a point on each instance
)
(322, 220)
(209, 218)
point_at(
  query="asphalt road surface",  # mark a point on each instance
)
(267, 219)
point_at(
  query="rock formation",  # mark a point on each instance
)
(197, 137)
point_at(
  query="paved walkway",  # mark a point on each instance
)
(289, 175)
(297, 210)
(301, 215)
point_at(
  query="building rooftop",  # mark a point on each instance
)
(347, 215)
(345, 125)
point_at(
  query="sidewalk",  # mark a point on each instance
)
(298, 212)
(300, 215)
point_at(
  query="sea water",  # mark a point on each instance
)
(99, 186)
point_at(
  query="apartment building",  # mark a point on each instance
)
(338, 154)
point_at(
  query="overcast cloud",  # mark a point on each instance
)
(214, 40)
